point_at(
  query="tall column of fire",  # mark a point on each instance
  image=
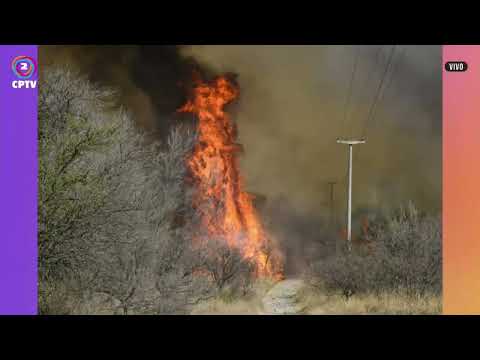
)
(226, 209)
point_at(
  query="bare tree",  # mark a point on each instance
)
(224, 264)
(72, 196)
(110, 203)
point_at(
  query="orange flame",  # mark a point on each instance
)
(227, 210)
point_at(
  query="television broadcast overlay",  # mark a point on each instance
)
(461, 210)
(19, 172)
(239, 180)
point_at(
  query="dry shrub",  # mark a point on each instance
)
(109, 204)
(115, 217)
(406, 257)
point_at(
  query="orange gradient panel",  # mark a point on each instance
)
(461, 182)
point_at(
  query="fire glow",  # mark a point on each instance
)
(227, 210)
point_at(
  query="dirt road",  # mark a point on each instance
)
(285, 298)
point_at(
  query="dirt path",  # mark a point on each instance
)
(285, 298)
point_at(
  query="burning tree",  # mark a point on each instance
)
(226, 209)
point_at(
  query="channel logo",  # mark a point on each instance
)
(24, 67)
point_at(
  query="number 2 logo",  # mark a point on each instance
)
(24, 66)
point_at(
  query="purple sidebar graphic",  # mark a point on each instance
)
(18, 174)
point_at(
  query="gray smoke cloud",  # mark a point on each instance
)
(151, 81)
(292, 109)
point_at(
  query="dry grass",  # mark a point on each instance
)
(225, 304)
(220, 307)
(321, 302)
(369, 304)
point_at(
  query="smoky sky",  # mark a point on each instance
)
(151, 81)
(291, 110)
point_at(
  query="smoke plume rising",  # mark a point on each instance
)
(291, 110)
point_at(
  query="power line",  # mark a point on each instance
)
(350, 89)
(342, 128)
(382, 90)
(379, 92)
(384, 84)
(371, 72)
(369, 77)
(372, 108)
(395, 66)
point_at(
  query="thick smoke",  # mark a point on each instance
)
(151, 81)
(292, 109)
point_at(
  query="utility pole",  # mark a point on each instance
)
(350, 144)
(332, 204)
(333, 216)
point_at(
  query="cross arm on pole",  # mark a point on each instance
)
(351, 142)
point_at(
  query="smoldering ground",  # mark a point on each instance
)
(295, 102)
